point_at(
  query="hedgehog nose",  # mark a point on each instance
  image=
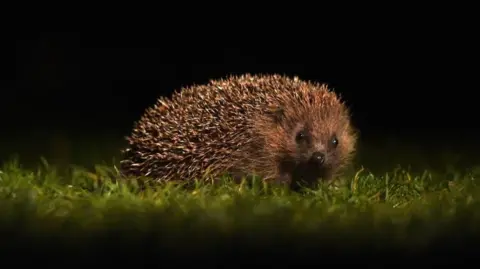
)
(318, 157)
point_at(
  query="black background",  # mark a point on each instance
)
(412, 86)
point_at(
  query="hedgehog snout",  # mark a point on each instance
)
(317, 157)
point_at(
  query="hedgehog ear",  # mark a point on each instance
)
(276, 113)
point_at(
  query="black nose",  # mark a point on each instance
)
(318, 157)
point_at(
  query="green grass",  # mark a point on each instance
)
(396, 211)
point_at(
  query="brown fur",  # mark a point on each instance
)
(243, 125)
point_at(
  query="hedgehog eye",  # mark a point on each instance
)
(301, 136)
(334, 141)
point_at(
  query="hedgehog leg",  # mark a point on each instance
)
(284, 178)
(238, 176)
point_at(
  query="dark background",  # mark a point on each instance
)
(76, 95)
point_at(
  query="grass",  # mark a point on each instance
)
(400, 212)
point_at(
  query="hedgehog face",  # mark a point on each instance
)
(314, 149)
(314, 154)
(309, 141)
(319, 146)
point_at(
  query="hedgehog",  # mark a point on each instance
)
(277, 127)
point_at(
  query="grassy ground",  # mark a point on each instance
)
(398, 213)
(426, 206)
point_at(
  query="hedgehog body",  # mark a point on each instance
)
(277, 127)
